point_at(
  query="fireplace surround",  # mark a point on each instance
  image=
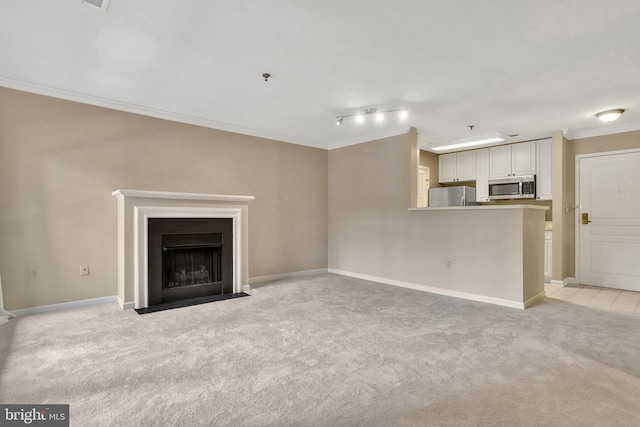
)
(137, 207)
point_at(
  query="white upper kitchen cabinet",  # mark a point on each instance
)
(512, 160)
(466, 165)
(447, 167)
(500, 161)
(543, 169)
(523, 158)
(482, 175)
(456, 167)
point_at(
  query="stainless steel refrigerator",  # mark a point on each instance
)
(452, 196)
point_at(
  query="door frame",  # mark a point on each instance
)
(425, 196)
(577, 205)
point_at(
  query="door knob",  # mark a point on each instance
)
(585, 218)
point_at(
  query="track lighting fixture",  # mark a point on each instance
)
(380, 116)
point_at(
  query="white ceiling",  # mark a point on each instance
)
(520, 67)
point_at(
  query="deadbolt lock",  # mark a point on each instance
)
(585, 218)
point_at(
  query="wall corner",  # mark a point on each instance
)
(415, 165)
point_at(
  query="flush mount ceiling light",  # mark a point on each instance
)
(379, 116)
(471, 141)
(610, 115)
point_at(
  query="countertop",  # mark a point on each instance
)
(484, 208)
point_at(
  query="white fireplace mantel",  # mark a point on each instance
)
(135, 207)
(181, 196)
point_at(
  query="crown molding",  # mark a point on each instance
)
(609, 130)
(186, 119)
(395, 131)
(150, 112)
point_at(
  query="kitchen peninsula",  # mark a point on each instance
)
(491, 253)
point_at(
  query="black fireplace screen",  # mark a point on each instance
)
(191, 266)
(191, 259)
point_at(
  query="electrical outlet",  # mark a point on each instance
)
(449, 263)
(84, 270)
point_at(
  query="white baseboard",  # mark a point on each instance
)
(63, 306)
(125, 305)
(564, 282)
(439, 291)
(534, 299)
(260, 279)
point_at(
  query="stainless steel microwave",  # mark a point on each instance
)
(513, 187)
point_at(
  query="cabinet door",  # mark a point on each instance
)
(447, 167)
(482, 175)
(466, 165)
(543, 169)
(523, 158)
(500, 161)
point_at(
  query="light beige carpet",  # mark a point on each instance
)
(329, 351)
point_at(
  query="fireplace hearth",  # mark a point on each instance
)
(189, 258)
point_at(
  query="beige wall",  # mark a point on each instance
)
(559, 148)
(601, 144)
(567, 212)
(60, 161)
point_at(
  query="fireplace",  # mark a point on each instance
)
(219, 243)
(189, 258)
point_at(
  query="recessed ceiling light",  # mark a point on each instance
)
(610, 115)
(471, 141)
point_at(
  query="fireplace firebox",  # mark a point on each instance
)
(189, 258)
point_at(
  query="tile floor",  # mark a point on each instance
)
(592, 296)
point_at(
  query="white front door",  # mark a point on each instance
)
(609, 220)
